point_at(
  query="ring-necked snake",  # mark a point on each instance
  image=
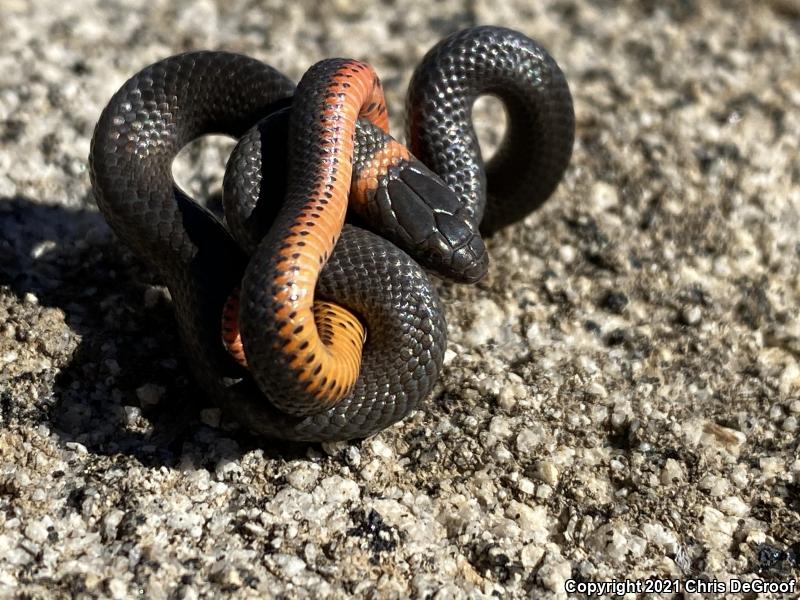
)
(304, 325)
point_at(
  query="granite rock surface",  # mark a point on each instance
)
(621, 396)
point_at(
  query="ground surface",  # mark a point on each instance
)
(622, 395)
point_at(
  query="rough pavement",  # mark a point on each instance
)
(621, 396)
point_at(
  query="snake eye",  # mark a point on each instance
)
(424, 216)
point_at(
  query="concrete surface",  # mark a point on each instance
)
(621, 397)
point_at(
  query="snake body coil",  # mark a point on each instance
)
(303, 326)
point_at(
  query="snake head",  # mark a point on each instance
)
(415, 209)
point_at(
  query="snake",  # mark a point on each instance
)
(308, 312)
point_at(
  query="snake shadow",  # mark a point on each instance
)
(121, 383)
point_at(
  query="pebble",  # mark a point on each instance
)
(499, 429)
(770, 466)
(334, 448)
(380, 449)
(617, 542)
(337, 489)
(76, 447)
(111, 521)
(604, 196)
(714, 485)
(621, 414)
(672, 472)
(488, 320)
(371, 470)
(691, 315)
(739, 476)
(554, 573)
(42, 248)
(117, 588)
(304, 476)
(353, 456)
(531, 555)
(660, 536)
(449, 355)
(501, 453)
(211, 416)
(717, 529)
(532, 519)
(150, 394)
(734, 506)
(526, 486)
(547, 472)
(290, 566)
(507, 398)
(790, 379)
(528, 440)
(597, 389)
(36, 532)
(567, 254)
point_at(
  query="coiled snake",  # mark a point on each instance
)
(308, 314)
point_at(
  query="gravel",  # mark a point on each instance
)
(621, 395)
